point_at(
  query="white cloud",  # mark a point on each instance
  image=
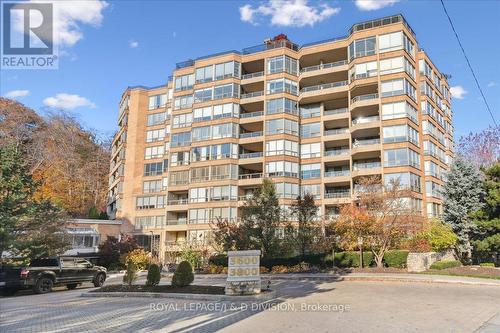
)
(374, 4)
(288, 13)
(458, 92)
(17, 93)
(68, 16)
(133, 44)
(67, 102)
(491, 84)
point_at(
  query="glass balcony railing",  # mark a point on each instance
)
(250, 176)
(338, 194)
(336, 131)
(323, 66)
(270, 46)
(364, 120)
(252, 75)
(365, 142)
(364, 98)
(335, 111)
(174, 202)
(340, 173)
(176, 221)
(324, 86)
(366, 165)
(252, 94)
(251, 155)
(252, 114)
(250, 134)
(336, 152)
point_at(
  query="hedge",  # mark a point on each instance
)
(445, 264)
(487, 264)
(395, 258)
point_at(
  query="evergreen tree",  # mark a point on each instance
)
(261, 217)
(305, 211)
(486, 238)
(462, 196)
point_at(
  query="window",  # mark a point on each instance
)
(310, 150)
(226, 171)
(202, 95)
(184, 82)
(281, 64)
(204, 74)
(282, 169)
(183, 102)
(157, 101)
(156, 118)
(155, 135)
(200, 174)
(226, 110)
(364, 70)
(201, 133)
(396, 65)
(397, 87)
(153, 169)
(201, 215)
(281, 85)
(222, 151)
(152, 186)
(308, 171)
(281, 147)
(280, 105)
(227, 130)
(227, 69)
(182, 120)
(202, 114)
(390, 42)
(142, 222)
(434, 209)
(198, 194)
(181, 139)
(154, 152)
(399, 110)
(433, 189)
(400, 133)
(401, 157)
(310, 130)
(150, 202)
(433, 169)
(362, 47)
(309, 111)
(277, 126)
(222, 193)
(178, 178)
(314, 190)
(406, 180)
(408, 46)
(287, 190)
(226, 91)
(179, 158)
(200, 153)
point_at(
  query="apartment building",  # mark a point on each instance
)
(314, 118)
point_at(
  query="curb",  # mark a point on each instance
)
(199, 297)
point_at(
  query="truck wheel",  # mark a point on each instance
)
(72, 286)
(43, 285)
(99, 280)
(8, 291)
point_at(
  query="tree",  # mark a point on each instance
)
(111, 250)
(462, 194)
(436, 236)
(486, 236)
(131, 274)
(481, 149)
(229, 236)
(307, 229)
(29, 227)
(261, 216)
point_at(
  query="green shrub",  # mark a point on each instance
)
(396, 258)
(487, 264)
(154, 275)
(192, 256)
(349, 259)
(131, 273)
(140, 258)
(443, 264)
(218, 260)
(183, 275)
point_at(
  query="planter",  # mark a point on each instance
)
(420, 262)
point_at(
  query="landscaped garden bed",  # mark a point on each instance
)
(191, 289)
(471, 271)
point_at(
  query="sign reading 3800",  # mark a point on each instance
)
(243, 265)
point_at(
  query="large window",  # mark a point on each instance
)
(156, 118)
(204, 74)
(401, 157)
(152, 186)
(362, 47)
(183, 102)
(222, 151)
(184, 82)
(280, 105)
(308, 171)
(400, 133)
(310, 110)
(179, 158)
(364, 70)
(390, 42)
(310, 130)
(155, 135)
(405, 180)
(178, 178)
(282, 64)
(150, 202)
(281, 147)
(182, 120)
(200, 194)
(201, 174)
(201, 133)
(202, 114)
(225, 171)
(227, 130)
(181, 139)
(397, 87)
(154, 152)
(282, 169)
(226, 110)
(399, 110)
(157, 101)
(396, 65)
(153, 169)
(433, 189)
(223, 193)
(279, 126)
(202, 95)
(313, 189)
(281, 85)
(227, 69)
(287, 190)
(310, 150)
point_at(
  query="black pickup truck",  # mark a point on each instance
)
(42, 274)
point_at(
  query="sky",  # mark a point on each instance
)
(105, 46)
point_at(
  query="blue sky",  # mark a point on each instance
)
(108, 46)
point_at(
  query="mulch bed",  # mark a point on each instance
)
(472, 271)
(376, 270)
(192, 289)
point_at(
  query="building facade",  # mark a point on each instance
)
(314, 118)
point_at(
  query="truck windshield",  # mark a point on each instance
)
(44, 263)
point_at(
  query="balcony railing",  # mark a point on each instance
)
(250, 134)
(341, 173)
(252, 94)
(367, 142)
(364, 120)
(251, 155)
(335, 111)
(364, 98)
(336, 152)
(323, 66)
(324, 86)
(174, 202)
(250, 176)
(338, 194)
(252, 75)
(366, 165)
(176, 221)
(252, 114)
(336, 131)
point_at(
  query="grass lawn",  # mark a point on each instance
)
(468, 271)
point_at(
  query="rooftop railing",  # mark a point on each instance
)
(270, 46)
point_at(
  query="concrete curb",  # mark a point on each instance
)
(199, 297)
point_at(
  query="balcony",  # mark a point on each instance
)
(338, 194)
(364, 100)
(271, 45)
(334, 112)
(252, 75)
(250, 135)
(336, 152)
(336, 131)
(252, 94)
(323, 66)
(365, 142)
(181, 221)
(366, 165)
(341, 173)
(251, 114)
(175, 202)
(365, 120)
(251, 155)
(323, 86)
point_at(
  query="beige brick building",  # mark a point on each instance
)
(313, 118)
